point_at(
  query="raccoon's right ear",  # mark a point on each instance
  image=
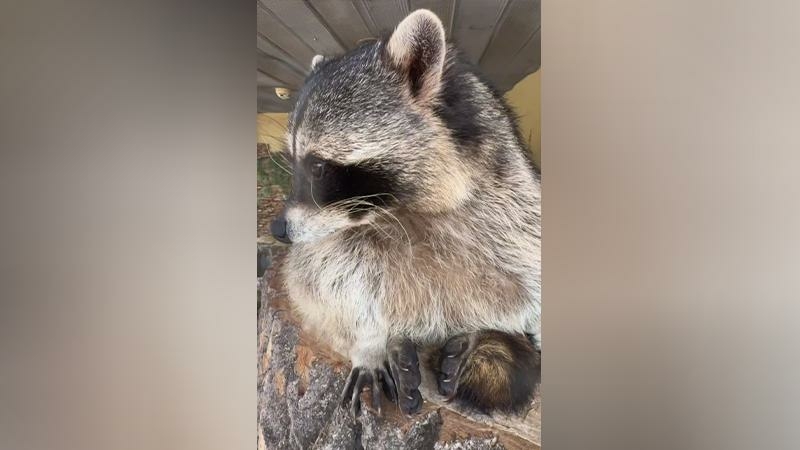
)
(316, 61)
(417, 49)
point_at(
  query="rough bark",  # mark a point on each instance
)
(299, 381)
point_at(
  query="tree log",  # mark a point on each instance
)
(300, 379)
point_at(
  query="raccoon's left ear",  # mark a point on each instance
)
(417, 49)
(316, 61)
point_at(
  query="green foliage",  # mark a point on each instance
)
(270, 173)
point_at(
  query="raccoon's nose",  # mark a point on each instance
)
(278, 230)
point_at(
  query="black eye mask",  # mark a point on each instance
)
(318, 182)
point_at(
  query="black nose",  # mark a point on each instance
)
(278, 230)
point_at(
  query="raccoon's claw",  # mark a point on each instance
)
(451, 362)
(360, 378)
(404, 366)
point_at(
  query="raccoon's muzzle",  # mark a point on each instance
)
(279, 228)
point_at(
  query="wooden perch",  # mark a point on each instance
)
(299, 381)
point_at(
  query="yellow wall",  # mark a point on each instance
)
(270, 129)
(525, 98)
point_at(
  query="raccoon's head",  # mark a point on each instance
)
(364, 138)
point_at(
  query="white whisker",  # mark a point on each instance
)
(279, 164)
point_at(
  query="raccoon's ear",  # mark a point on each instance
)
(417, 49)
(316, 61)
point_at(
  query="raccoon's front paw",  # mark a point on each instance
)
(372, 379)
(404, 364)
(451, 364)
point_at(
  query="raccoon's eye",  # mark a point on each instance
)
(317, 169)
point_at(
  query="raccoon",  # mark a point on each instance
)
(414, 219)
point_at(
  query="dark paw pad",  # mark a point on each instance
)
(451, 363)
(404, 367)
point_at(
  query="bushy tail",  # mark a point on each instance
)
(489, 371)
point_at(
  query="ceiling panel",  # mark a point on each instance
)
(280, 70)
(474, 26)
(344, 20)
(306, 24)
(502, 36)
(517, 26)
